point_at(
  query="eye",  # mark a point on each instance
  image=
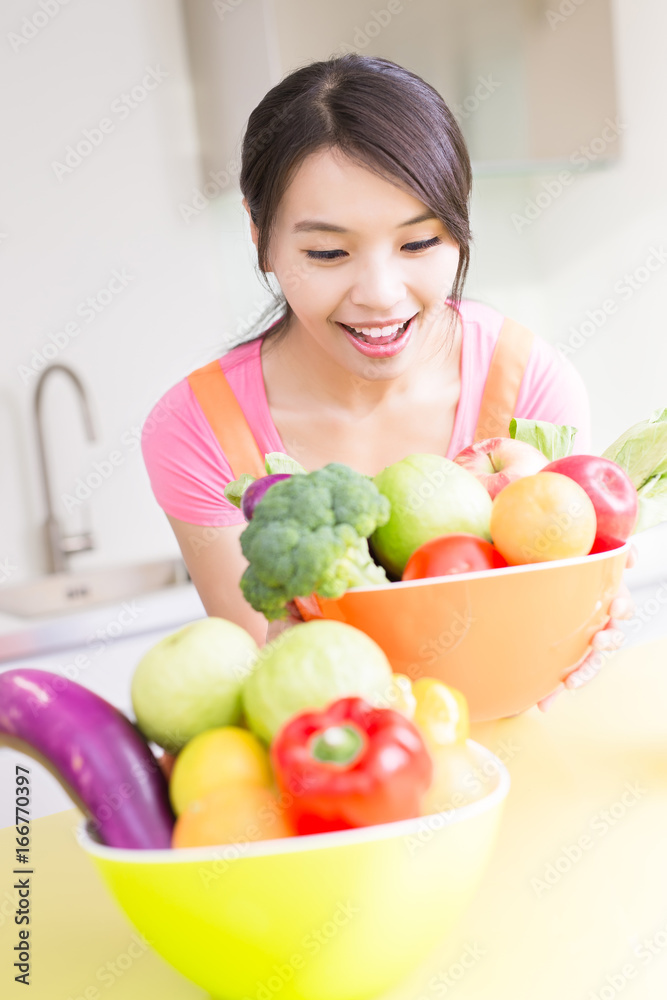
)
(324, 254)
(422, 244)
(336, 254)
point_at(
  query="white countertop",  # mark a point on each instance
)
(170, 606)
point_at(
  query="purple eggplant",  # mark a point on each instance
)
(96, 752)
(253, 493)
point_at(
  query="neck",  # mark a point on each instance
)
(303, 370)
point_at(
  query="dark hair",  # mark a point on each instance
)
(381, 116)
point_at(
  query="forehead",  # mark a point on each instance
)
(329, 186)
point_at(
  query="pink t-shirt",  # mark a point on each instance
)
(188, 470)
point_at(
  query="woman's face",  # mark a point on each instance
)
(347, 251)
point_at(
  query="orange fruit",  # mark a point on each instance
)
(542, 517)
(227, 755)
(231, 815)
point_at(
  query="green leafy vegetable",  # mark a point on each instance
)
(553, 440)
(278, 461)
(234, 490)
(274, 462)
(308, 535)
(642, 453)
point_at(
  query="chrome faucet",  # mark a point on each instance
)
(59, 545)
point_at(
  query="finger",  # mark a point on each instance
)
(622, 607)
(632, 557)
(589, 669)
(609, 638)
(545, 704)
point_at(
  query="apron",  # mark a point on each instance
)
(228, 422)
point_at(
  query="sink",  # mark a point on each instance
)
(64, 592)
(147, 598)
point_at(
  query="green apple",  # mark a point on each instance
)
(192, 680)
(430, 496)
(310, 665)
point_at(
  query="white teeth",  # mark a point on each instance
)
(376, 331)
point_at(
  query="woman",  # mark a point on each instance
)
(356, 180)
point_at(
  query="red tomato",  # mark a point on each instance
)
(455, 553)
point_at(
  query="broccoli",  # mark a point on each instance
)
(308, 535)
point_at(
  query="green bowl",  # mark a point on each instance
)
(330, 916)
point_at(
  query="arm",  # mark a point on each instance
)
(188, 473)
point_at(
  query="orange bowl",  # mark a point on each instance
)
(504, 637)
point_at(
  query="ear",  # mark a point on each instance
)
(254, 232)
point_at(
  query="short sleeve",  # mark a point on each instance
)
(552, 389)
(186, 466)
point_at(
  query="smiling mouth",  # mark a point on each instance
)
(378, 340)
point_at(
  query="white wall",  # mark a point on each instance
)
(193, 284)
(64, 234)
(600, 228)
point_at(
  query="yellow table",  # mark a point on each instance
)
(573, 904)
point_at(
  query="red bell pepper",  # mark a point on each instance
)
(350, 765)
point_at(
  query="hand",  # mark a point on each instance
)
(278, 626)
(608, 638)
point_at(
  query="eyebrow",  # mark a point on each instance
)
(318, 225)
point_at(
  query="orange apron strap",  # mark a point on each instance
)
(504, 380)
(228, 422)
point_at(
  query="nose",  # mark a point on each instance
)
(378, 285)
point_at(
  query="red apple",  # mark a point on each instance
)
(612, 492)
(499, 461)
(604, 544)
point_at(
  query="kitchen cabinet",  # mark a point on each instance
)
(531, 82)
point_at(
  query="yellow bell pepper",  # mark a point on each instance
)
(441, 713)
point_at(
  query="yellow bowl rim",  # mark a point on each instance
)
(497, 572)
(308, 842)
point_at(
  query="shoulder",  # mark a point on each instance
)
(168, 416)
(177, 409)
(551, 387)
(481, 315)
(481, 329)
(243, 356)
(481, 325)
(186, 466)
(547, 372)
(545, 366)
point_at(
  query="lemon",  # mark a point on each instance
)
(217, 758)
